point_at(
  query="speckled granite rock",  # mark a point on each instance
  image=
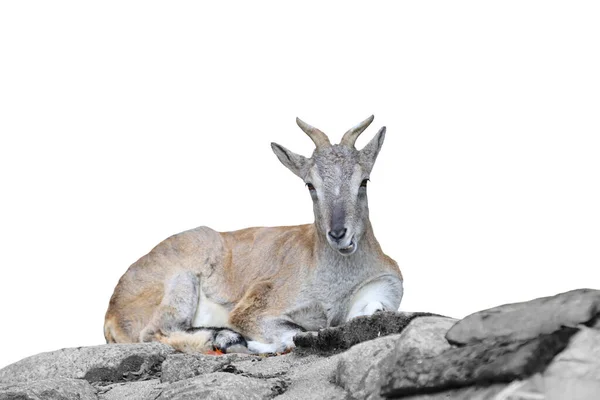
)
(363, 368)
(467, 393)
(575, 373)
(314, 380)
(520, 321)
(49, 389)
(141, 390)
(221, 386)
(109, 363)
(183, 366)
(303, 373)
(483, 363)
(387, 354)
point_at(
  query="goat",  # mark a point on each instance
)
(253, 289)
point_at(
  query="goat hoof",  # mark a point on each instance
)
(228, 341)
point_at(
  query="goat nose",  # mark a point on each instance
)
(337, 234)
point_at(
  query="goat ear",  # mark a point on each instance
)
(369, 153)
(294, 162)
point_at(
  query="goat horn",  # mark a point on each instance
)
(350, 137)
(320, 139)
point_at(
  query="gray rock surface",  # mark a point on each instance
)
(529, 319)
(362, 369)
(49, 389)
(468, 393)
(575, 373)
(221, 386)
(293, 375)
(387, 354)
(182, 366)
(108, 363)
(315, 381)
(141, 390)
(483, 363)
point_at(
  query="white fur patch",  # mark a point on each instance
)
(286, 342)
(261, 348)
(210, 313)
(373, 306)
(372, 297)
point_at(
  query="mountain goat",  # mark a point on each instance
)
(252, 290)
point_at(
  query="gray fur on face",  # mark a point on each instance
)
(334, 175)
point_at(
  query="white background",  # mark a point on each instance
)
(125, 122)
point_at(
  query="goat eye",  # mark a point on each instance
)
(310, 187)
(363, 184)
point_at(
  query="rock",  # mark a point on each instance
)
(355, 331)
(527, 320)
(387, 354)
(301, 372)
(221, 386)
(314, 381)
(482, 363)
(574, 374)
(362, 368)
(469, 393)
(273, 367)
(141, 390)
(49, 389)
(183, 366)
(105, 363)
(531, 388)
(178, 367)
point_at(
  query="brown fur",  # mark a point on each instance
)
(246, 314)
(240, 259)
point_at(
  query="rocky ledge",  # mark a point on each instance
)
(547, 348)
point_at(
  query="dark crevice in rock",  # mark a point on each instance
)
(333, 379)
(158, 395)
(280, 387)
(17, 397)
(132, 368)
(264, 376)
(277, 380)
(230, 368)
(594, 322)
(102, 388)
